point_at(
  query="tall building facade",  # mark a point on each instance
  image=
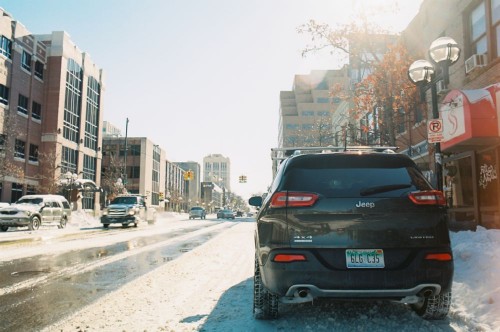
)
(217, 169)
(305, 115)
(51, 99)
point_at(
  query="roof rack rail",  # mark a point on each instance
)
(283, 153)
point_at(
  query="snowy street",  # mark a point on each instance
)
(210, 289)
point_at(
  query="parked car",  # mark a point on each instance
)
(352, 225)
(225, 214)
(197, 212)
(34, 211)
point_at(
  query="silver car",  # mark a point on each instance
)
(35, 210)
(197, 212)
(225, 214)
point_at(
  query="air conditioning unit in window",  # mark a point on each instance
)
(475, 61)
(441, 88)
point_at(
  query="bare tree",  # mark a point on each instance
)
(48, 182)
(111, 174)
(9, 168)
(384, 100)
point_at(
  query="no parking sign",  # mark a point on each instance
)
(435, 131)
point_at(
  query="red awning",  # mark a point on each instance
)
(470, 118)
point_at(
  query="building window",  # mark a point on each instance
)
(16, 192)
(72, 102)
(89, 167)
(292, 140)
(323, 100)
(307, 126)
(22, 105)
(26, 61)
(495, 19)
(323, 113)
(3, 140)
(4, 94)
(36, 111)
(33, 156)
(419, 115)
(89, 172)
(135, 150)
(401, 124)
(30, 190)
(134, 172)
(92, 116)
(39, 69)
(68, 160)
(19, 149)
(6, 47)
(484, 28)
(307, 113)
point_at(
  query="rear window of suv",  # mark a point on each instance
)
(354, 176)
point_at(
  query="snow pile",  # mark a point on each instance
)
(83, 219)
(476, 286)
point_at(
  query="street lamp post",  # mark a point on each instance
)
(444, 52)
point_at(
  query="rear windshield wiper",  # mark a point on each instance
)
(381, 189)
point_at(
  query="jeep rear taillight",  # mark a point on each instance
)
(427, 197)
(444, 257)
(293, 199)
(288, 258)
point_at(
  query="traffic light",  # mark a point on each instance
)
(243, 178)
(161, 197)
(189, 175)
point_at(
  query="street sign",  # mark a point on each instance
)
(435, 131)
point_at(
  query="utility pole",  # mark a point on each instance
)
(125, 156)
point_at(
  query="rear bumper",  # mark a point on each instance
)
(413, 278)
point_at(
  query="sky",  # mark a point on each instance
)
(177, 297)
(202, 77)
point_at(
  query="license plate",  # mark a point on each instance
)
(364, 258)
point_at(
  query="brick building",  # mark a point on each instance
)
(51, 116)
(469, 106)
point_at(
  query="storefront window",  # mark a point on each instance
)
(459, 186)
(459, 191)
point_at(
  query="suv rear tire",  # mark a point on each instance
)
(433, 307)
(265, 304)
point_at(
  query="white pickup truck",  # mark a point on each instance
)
(128, 209)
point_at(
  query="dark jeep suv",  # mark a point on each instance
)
(357, 225)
